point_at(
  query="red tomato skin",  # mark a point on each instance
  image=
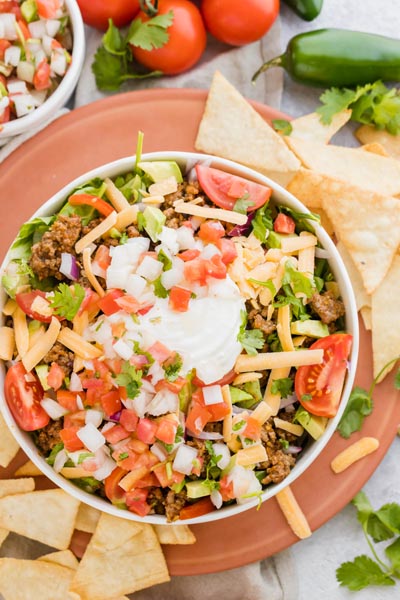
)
(186, 44)
(179, 299)
(70, 440)
(41, 78)
(55, 377)
(236, 22)
(201, 507)
(325, 382)
(97, 12)
(284, 224)
(111, 488)
(107, 303)
(25, 300)
(225, 189)
(23, 399)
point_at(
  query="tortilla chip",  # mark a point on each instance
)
(8, 487)
(87, 518)
(361, 296)
(28, 469)
(121, 558)
(47, 516)
(310, 127)
(306, 185)
(65, 558)
(385, 320)
(33, 580)
(174, 534)
(8, 444)
(366, 313)
(231, 128)
(368, 224)
(367, 134)
(375, 148)
(3, 535)
(362, 169)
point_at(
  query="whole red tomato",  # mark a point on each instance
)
(187, 39)
(97, 12)
(239, 22)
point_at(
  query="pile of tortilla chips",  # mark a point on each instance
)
(356, 192)
(122, 556)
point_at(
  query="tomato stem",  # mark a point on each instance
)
(149, 7)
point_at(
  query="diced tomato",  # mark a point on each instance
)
(116, 434)
(10, 6)
(211, 231)
(284, 224)
(41, 78)
(107, 303)
(129, 462)
(100, 205)
(5, 115)
(113, 491)
(215, 267)
(89, 303)
(128, 303)
(25, 300)
(172, 386)
(197, 469)
(55, 377)
(129, 419)
(136, 502)
(23, 25)
(197, 418)
(93, 396)
(189, 254)
(228, 378)
(118, 329)
(166, 430)
(149, 480)
(139, 360)
(68, 400)
(70, 439)
(101, 368)
(201, 507)
(47, 9)
(102, 257)
(227, 249)
(145, 309)
(253, 429)
(160, 471)
(226, 489)
(195, 271)
(4, 44)
(114, 364)
(111, 403)
(179, 299)
(75, 419)
(216, 412)
(159, 352)
(137, 446)
(146, 431)
(92, 383)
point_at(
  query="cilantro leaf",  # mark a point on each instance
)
(130, 378)
(282, 126)
(67, 300)
(362, 572)
(172, 368)
(334, 101)
(389, 515)
(299, 282)
(393, 554)
(306, 397)
(358, 407)
(283, 386)
(251, 339)
(268, 284)
(159, 290)
(262, 223)
(166, 261)
(150, 34)
(242, 204)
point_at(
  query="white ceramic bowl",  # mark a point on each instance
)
(313, 450)
(61, 95)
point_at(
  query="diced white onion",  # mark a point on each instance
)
(24, 104)
(58, 62)
(185, 238)
(52, 26)
(163, 402)
(60, 461)
(75, 383)
(79, 402)
(38, 56)
(169, 238)
(150, 268)
(156, 372)
(135, 285)
(321, 253)
(26, 72)
(158, 451)
(98, 271)
(216, 498)
(212, 394)
(223, 451)
(105, 470)
(91, 437)
(47, 44)
(12, 55)
(95, 417)
(123, 350)
(107, 426)
(37, 29)
(116, 277)
(140, 403)
(8, 26)
(4, 102)
(183, 461)
(53, 409)
(209, 251)
(15, 86)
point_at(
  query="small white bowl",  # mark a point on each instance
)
(64, 91)
(308, 456)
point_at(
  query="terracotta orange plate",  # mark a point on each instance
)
(107, 130)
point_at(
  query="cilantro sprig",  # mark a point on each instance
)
(67, 300)
(130, 378)
(371, 104)
(378, 526)
(251, 339)
(113, 61)
(360, 404)
(283, 386)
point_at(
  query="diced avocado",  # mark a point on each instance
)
(332, 286)
(161, 169)
(197, 489)
(311, 423)
(3, 90)
(29, 10)
(238, 395)
(42, 371)
(154, 220)
(311, 328)
(253, 388)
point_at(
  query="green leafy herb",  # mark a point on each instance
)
(242, 204)
(302, 219)
(123, 456)
(212, 470)
(371, 104)
(378, 526)
(29, 234)
(282, 126)
(251, 339)
(150, 34)
(83, 456)
(166, 261)
(284, 443)
(178, 438)
(67, 300)
(159, 290)
(130, 378)
(237, 426)
(283, 386)
(262, 223)
(268, 284)
(299, 282)
(306, 397)
(172, 368)
(52, 456)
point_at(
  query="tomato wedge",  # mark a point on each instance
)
(23, 398)
(225, 189)
(112, 490)
(100, 205)
(202, 507)
(319, 387)
(25, 301)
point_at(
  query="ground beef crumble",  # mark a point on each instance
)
(62, 356)
(187, 192)
(166, 502)
(61, 237)
(48, 437)
(279, 464)
(327, 307)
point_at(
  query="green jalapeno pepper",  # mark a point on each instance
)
(306, 9)
(338, 57)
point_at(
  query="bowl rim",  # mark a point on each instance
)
(44, 113)
(123, 165)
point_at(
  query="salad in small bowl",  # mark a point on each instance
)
(179, 338)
